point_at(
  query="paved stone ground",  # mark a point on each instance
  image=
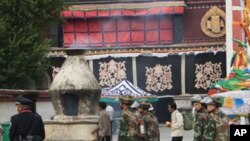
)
(165, 134)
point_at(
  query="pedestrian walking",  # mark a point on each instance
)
(110, 111)
(148, 126)
(104, 124)
(201, 118)
(218, 127)
(176, 124)
(26, 124)
(128, 128)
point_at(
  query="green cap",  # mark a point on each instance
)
(126, 99)
(145, 105)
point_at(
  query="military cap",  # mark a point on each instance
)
(144, 105)
(126, 99)
(23, 101)
(212, 101)
(196, 98)
(206, 100)
(135, 105)
(217, 101)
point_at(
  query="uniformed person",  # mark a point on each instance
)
(218, 127)
(201, 117)
(25, 122)
(128, 128)
(150, 124)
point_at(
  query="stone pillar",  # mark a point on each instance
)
(74, 93)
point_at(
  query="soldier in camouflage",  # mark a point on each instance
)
(217, 128)
(128, 128)
(201, 117)
(150, 123)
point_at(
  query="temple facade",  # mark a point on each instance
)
(169, 48)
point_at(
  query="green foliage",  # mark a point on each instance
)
(23, 39)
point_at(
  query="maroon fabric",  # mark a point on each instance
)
(106, 32)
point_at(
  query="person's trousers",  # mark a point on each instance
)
(177, 138)
(106, 138)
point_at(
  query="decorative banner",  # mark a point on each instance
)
(228, 102)
(159, 76)
(111, 71)
(235, 102)
(238, 102)
(202, 70)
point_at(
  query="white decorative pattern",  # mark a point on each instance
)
(159, 78)
(207, 74)
(111, 73)
(125, 88)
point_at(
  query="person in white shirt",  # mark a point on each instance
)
(110, 111)
(176, 124)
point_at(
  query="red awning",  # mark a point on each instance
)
(124, 9)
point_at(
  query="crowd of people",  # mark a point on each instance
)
(138, 121)
(209, 123)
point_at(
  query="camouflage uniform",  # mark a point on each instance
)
(128, 127)
(151, 128)
(151, 125)
(201, 121)
(217, 128)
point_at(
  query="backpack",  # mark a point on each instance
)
(188, 120)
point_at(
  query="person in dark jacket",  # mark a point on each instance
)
(25, 122)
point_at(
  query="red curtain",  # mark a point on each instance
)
(125, 31)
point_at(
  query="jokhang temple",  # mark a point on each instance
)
(167, 48)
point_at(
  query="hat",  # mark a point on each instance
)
(23, 101)
(135, 105)
(217, 101)
(126, 99)
(144, 105)
(212, 101)
(206, 100)
(196, 98)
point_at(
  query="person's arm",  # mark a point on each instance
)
(98, 125)
(199, 127)
(13, 128)
(123, 127)
(179, 121)
(210, 131)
